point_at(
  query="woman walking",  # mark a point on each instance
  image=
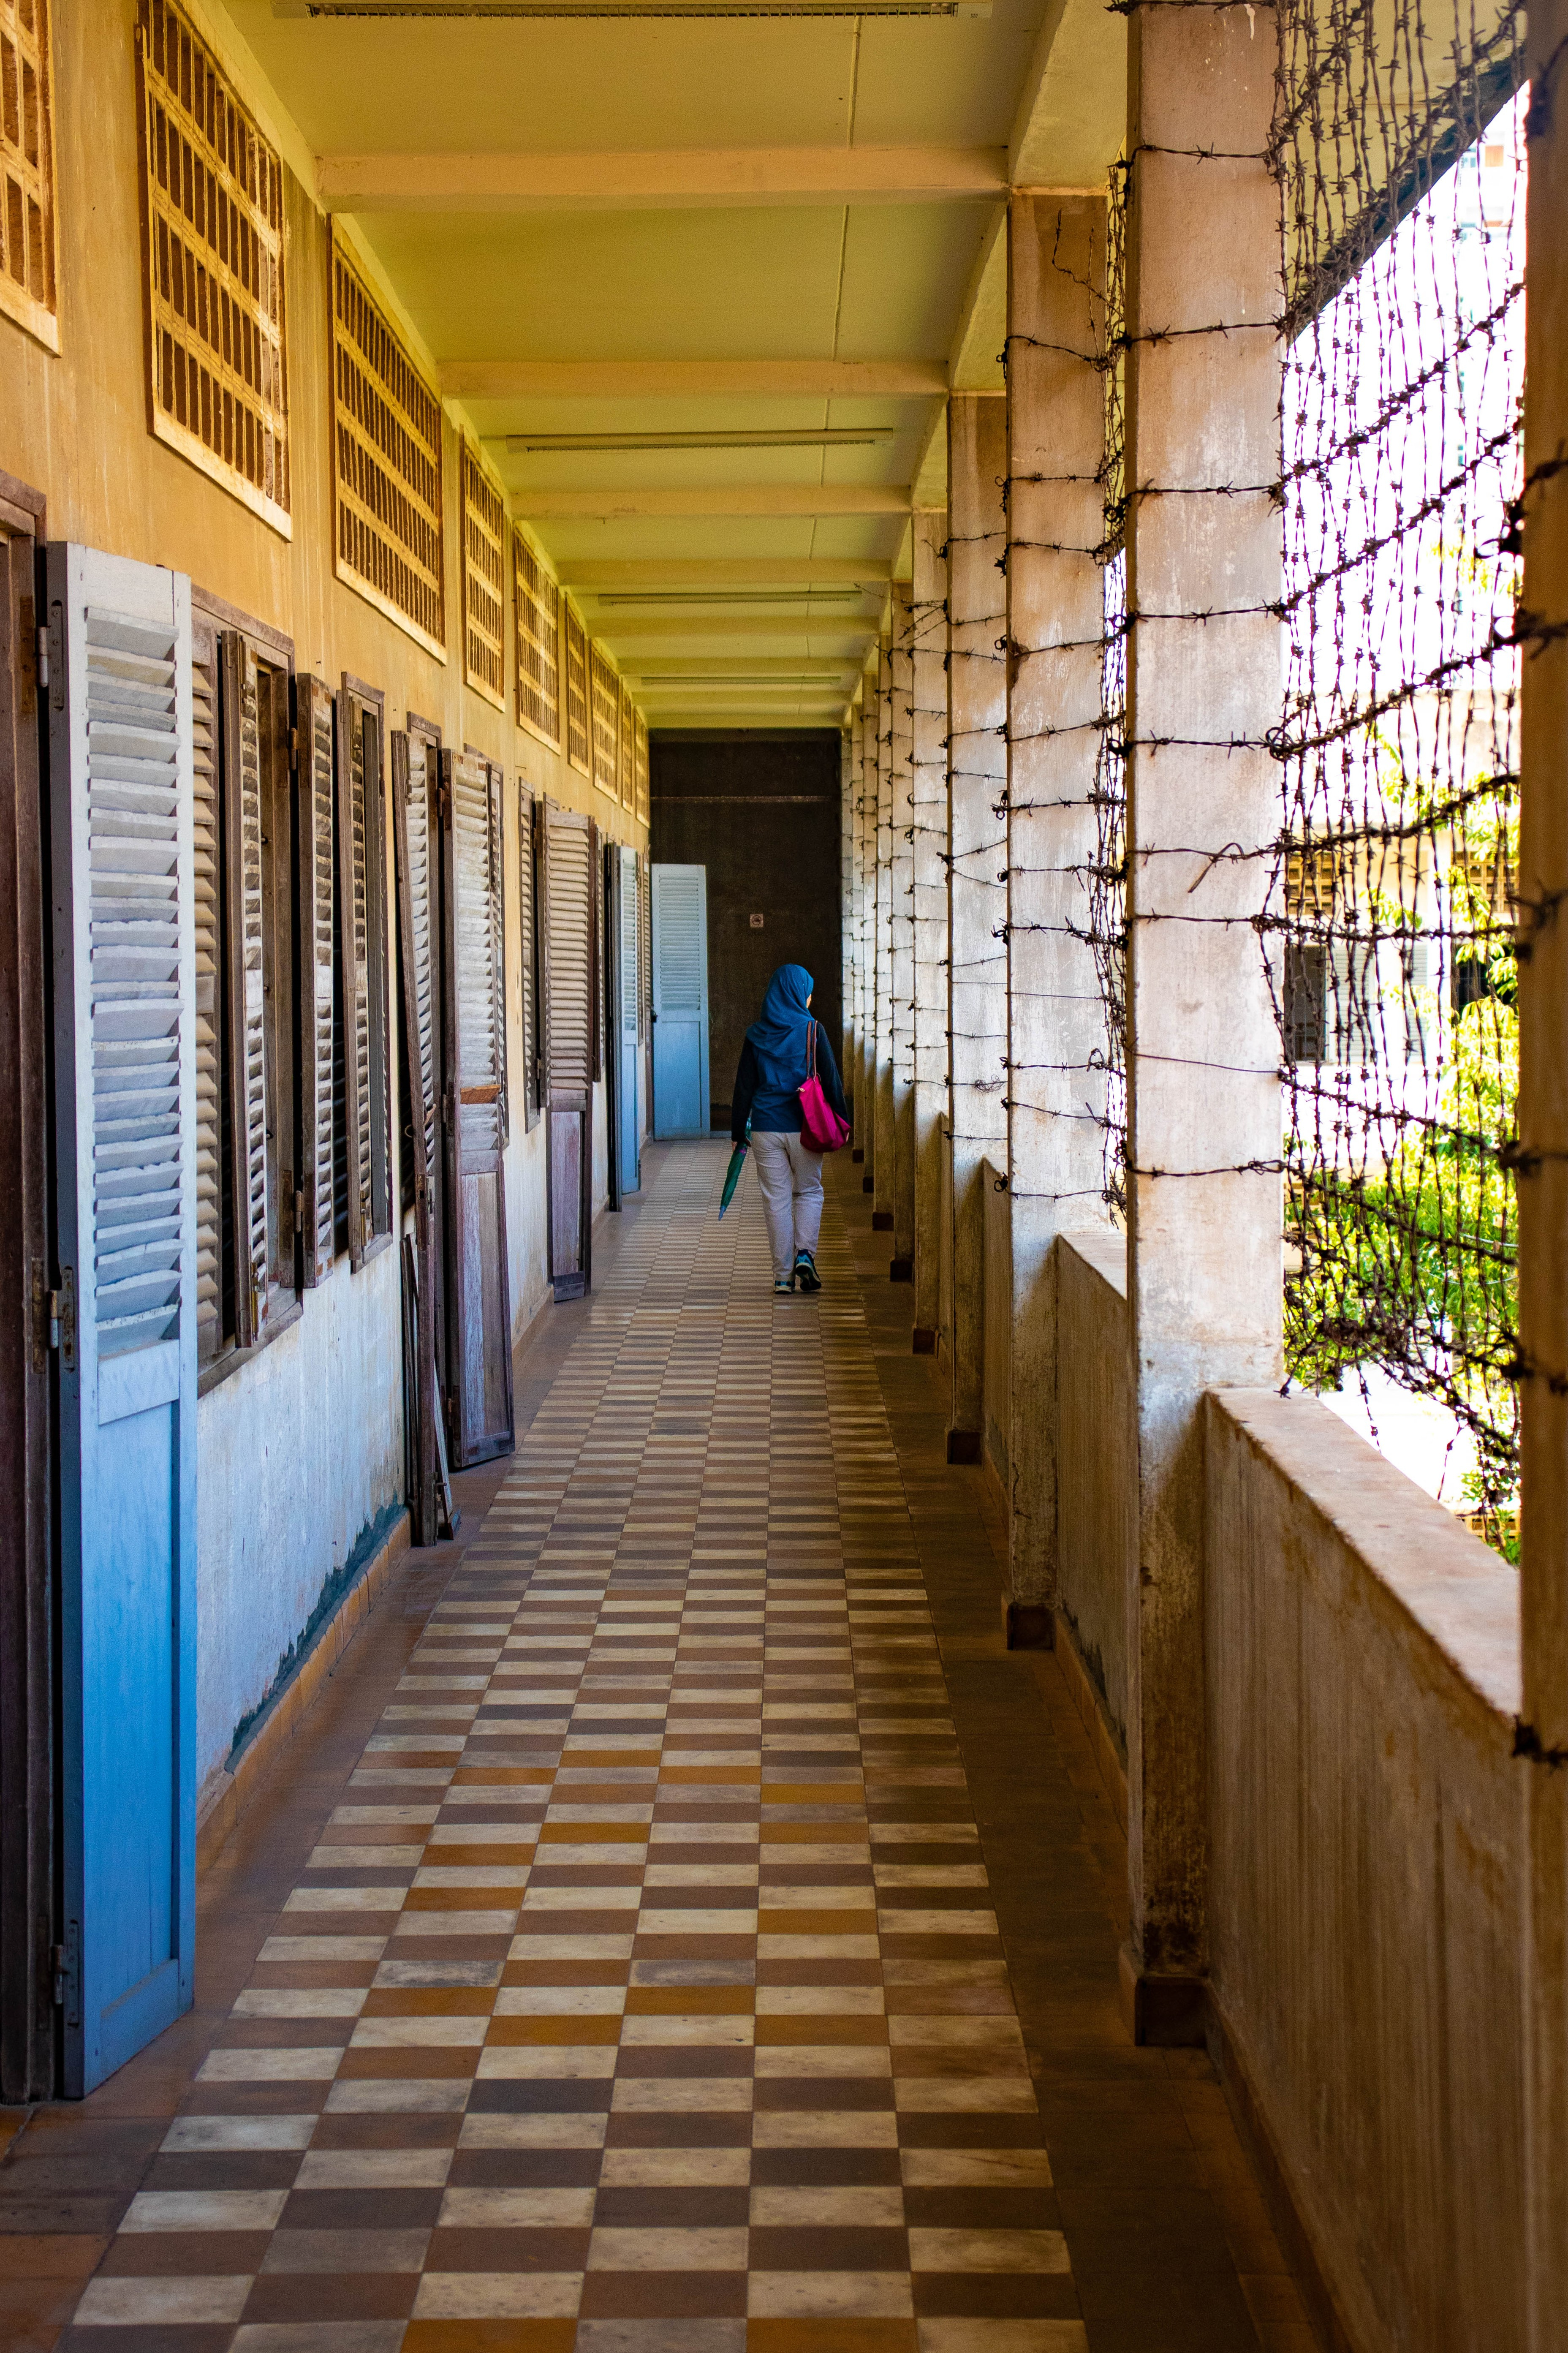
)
(781, 1050)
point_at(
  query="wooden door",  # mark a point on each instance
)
(415, 786)
(680, 1087)
(479, 1288)
(568, 899)
(27, 1276)
(123, 1012)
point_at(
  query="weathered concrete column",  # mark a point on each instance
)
(977, 897)
(1205, 562)
(883, 1173)
(1056, 1084)
(928, 810)
(1543, 1175)
(901, 744)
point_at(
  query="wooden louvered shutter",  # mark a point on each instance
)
(498, 942)
(413, 763)
(317, 725)
(361, 927)
(479, 1286)
(207, 900)
(568, 900)
(527, 957)
(125, 1023)
(245, 984)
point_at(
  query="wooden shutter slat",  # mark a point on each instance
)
(528, 957)
(412, 759)
(318, 721)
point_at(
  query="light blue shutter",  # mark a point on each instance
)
(680, 1092)
(124, 1011)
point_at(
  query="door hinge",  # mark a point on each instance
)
(449, 1110)
(294, 749)
(53, 656)
(54, 1317)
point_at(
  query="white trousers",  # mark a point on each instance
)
(791, 1181)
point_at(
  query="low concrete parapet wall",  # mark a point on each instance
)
(1367, 1868)
(1097, 1484)
(996, 1346)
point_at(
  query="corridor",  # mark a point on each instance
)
(652, 1977)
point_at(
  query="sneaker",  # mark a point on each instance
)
(805, 1272)
(784, 1282)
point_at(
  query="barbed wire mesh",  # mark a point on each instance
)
(1390, 930)
(1107, 879)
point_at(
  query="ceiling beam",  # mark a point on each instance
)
(617, 626)
(595, 575)
(657, 178)
(723, 669)
(693, 379)
(787, 498)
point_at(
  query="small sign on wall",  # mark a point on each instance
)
(756, 922)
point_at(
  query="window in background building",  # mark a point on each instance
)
(386, 465)
(578, 741)
(536, 605)
(484, 579)
(212, 206)
(28, 287)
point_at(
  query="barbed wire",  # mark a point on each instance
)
(1390, 920)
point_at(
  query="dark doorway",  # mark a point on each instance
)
(759, 807)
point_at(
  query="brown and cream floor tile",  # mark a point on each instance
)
(643, 1990)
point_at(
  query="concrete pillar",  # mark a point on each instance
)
(1544, 1179)
(1204, 558)
(977, 897)
(900, 733)
(928, 809)
(1056, 1085)
(882, 1174)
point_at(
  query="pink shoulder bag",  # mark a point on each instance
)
(821, 1129)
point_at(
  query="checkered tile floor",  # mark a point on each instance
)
(644, 1994)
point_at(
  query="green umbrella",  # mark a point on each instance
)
(732, 1176)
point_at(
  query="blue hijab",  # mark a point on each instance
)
(780, 1037)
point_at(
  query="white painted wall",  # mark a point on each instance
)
(300, 1453)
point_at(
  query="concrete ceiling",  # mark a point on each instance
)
(776, 237)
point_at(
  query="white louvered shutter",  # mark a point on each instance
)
(681, 948)
(246, 982)
(481, 1003)
(317, 765)
(477, 1272)
(123, 1017)
(569, 1047)
(527, 973)
(419, 761)
(208, 885)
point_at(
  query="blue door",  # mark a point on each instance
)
(680, 1001)
(123, 1008)
(627, 1026)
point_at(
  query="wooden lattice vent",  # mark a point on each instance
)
(578, 741)
(484, 579)
(27, 287)
(536, 606)
(213, 207)
(387, 464)
(605, 692)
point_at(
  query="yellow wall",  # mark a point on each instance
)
(74, 427)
